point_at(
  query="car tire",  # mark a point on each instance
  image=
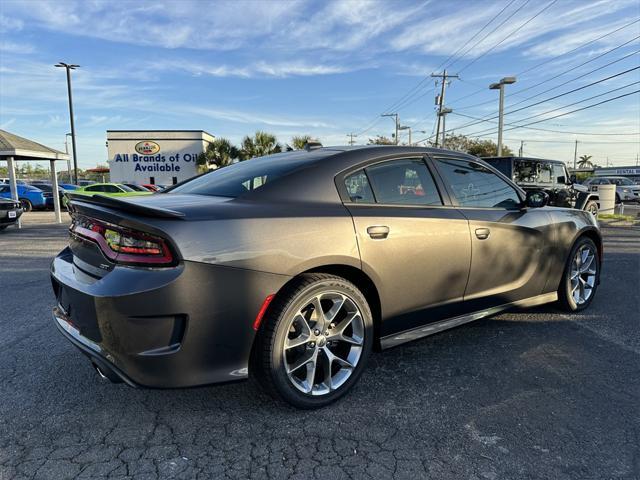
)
(27, 206)
(296, 348)
(2, 227)
(592, 207)
(581, 276)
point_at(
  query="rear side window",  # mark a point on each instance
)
(96, 188)
(358, 188)
(396, 182)
(474, 185)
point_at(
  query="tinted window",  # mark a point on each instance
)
(121, 188)
(4, 189)
(404, 182)
(358, 188)
(95, 188)
(525, 171)
(243, 177)
(474, 185)
(111, 189)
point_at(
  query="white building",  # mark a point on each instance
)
(161, 157)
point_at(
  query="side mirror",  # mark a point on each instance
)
(562, 180)
(536, 199)
(573, 178)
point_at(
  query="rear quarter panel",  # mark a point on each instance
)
(568, 225)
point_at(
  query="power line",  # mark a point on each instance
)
(567, 113)
(482, 119)
(518, 92)
(480, 31)
(402, 100)
(555, 58)
(548, 111)
(509, 35)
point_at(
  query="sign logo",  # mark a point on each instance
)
(147, 147)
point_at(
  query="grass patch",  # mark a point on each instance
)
(616, 216)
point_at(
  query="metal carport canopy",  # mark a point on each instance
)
(15, 148)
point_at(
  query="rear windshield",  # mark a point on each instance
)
(240, 178)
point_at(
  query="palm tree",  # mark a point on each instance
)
(585, 161)
(298, 142)
(262, 143)
(220, 153)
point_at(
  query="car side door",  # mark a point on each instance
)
(510, 243)
(412, 242)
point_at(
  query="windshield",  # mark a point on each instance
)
(125, 188)
(622, 181)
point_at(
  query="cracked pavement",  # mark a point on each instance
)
(532, 394)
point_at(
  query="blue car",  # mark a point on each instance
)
(68, 186)
(30, 197)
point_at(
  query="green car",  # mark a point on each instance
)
(109, 190)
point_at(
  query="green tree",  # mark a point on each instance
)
(262, 143)
(381, 140)
(479, 148)
(585, 161)
(221, 152)
(298, 142)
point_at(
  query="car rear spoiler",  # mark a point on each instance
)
(123, 205)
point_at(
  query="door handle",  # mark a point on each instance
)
(378, 232)
(483, 233)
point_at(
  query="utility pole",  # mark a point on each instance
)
(521, 148)
(443, 113)
(575, 155)
(351, 135)
(500, 86)
(395, 116)
(443, 88)
(68, 67)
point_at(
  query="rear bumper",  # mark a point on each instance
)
(162, 328)
(4, 216)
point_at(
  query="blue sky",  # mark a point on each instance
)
(319, 68)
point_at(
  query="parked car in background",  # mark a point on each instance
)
(108, 189)
(549, 176)
(10, 212)
(626, 190)
(138, 188)
(47, 188)
(6, 180)
(68, 186)
(30, 197)
(84, 183)
(151, 187)
(291, 267)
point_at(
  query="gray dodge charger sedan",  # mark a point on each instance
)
(292, 268)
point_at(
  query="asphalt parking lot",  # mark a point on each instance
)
(525, 395)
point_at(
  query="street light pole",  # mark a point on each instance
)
(68, 67)
(500, 86)
(406, 127)
(395, 116)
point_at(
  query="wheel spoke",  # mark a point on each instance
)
(302, 360)
(311, 371)
(328, 361)
(331, 314)
(319, 314)
(587, 263)
(295, 342)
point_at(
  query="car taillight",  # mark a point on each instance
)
(122, 245)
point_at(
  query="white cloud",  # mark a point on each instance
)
(258, 69)
(18, 48)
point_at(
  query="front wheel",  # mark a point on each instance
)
(315, 341)
(581, 276)
(592, 207)
(26, 205)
